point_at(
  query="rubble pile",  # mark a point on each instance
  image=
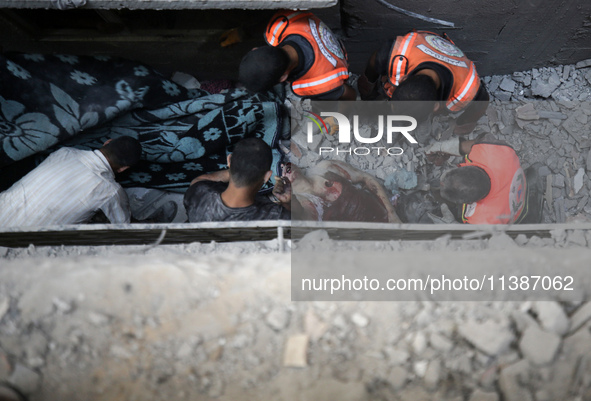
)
(543, 114)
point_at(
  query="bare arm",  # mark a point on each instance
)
(357, 176)
(220, 176)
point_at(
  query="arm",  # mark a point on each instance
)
(466, 122)
(220, 176)
(357, 176)
(348, 93)
(116, 208)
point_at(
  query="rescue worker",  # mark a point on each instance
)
(302, 51)
(427, 67)
(490, 184)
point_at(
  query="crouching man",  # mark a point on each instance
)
(71, 185)
(232, 194)
(490, 185)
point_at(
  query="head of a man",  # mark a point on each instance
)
(466, 184)
(250, 163)
(122, 152)
(263, 67)
(417, 95)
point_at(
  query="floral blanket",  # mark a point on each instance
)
(51, 101)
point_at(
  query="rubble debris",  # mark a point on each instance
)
(296, 349)
(489, 337)
(539, 346)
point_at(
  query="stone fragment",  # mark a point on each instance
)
(35, 348)
(521, 239)
(511, 379)
(566, 72)
(576, 237)
(580, 317)
(97, 319)
(489, 337)
(479, 395)
(503, 96)
(578, 180)
(62, 306)
(522, 320)
(398, 377)
(24, 379)
(278, 318)
(507, 84)
(527, 112)
(396, 356)
(495, 81)
(359, 320)
(539, 346)
(544, 86)
(588, 161)
(551, 115)
(583, 64)
(420, 368)
(552, 317)
(440, 342)
(558, 181)
(295, 351)
(433, 375)
(419, 343)
(559, 210)
(500, 241)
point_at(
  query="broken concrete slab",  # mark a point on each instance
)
(25, 379)
(578, 180)
(511, 379)
(580, 317)
(479, 395)
(583, 64)
(552, 317)
(507, 84)
(539, 346)
(489, 337)
(527, 112)
(544, 86)
(278, 318)
(296, 349)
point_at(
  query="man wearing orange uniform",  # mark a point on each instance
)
(302, 51)
(427, 67)
(490, 185)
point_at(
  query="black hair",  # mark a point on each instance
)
(251, 159)
(418, 92)
(466, 184)
(262, 68)
(122, 152)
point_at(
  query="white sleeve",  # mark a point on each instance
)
(116, 208)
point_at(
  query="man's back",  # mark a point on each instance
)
(203, 203)
(67, 188)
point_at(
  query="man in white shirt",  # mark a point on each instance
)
(70, 186)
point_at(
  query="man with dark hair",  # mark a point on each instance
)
(427, 67)
(70, 186)
(304, 52)
(232, 194)
(490, 185)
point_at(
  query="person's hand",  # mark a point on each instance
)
(367, 89)
(282, 190)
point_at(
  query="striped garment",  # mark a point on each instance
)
(67, 188)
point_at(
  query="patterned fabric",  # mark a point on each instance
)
(47, 102)
(67, 188)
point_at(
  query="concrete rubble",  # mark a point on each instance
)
(198, 322)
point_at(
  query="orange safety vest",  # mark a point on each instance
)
(330, 67)
(506, 199)
(410, 51)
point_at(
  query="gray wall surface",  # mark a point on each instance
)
(501, 37)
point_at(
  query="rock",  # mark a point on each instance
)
(539, 346)
(558, 181)
(397, 378)
(552, 115)
(419, 343)
(24, 379)
(278, 318)
(544, 86)
(440, 342)
(35, 348)
(580, 317)
(489, 337)
(578, 180)
(583, 64)
(521, 240)
(495, 81)
(433, 375)
(420, 368)
(313, 326)
(359, 320)
(510, 380)
(527, 112)
(522, 320)
(396, 356)
(507, 84)
(502, 96)
(500, 241)
(296, 349)
(576, 237)
(588, 161)
(479, 395)
(97, 319)
(552, 317)
(62, 306)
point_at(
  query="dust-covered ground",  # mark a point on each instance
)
(215, 321)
